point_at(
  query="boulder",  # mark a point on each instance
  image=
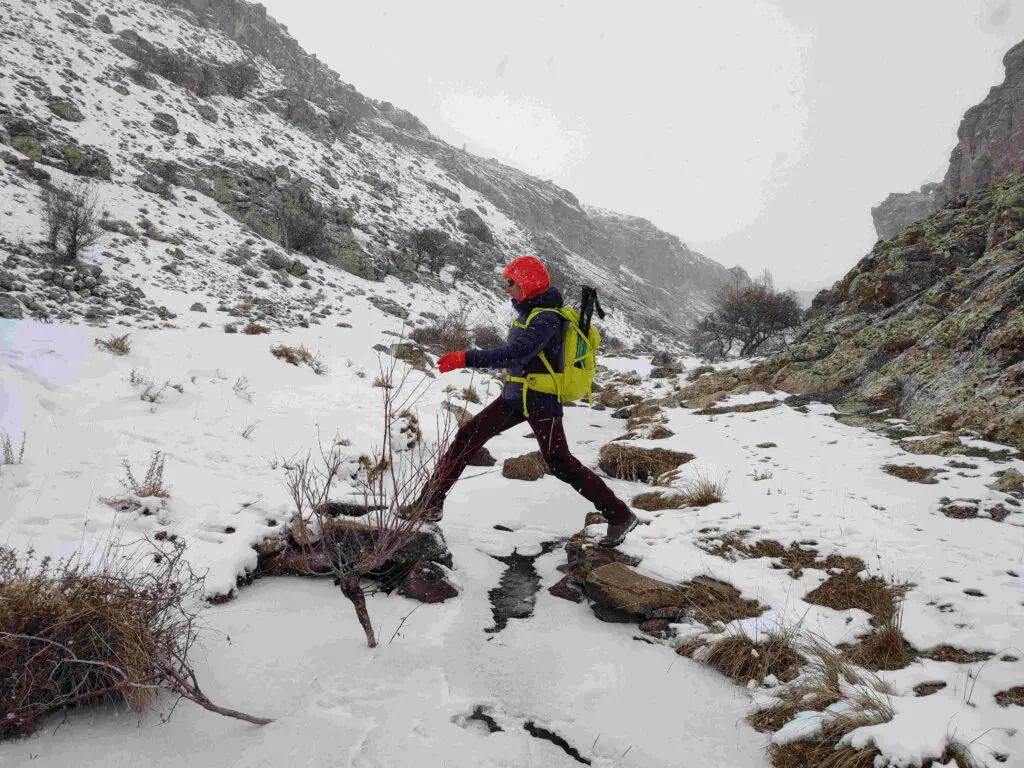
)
(583, 557)
(103, 24)
(10, 308)
(429, 583)
(620, 587)
(162, 121)
(1009, 479)
(482, 458)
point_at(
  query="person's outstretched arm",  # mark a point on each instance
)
(524, 347)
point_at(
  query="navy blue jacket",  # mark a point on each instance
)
(519, 356)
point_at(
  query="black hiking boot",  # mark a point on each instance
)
(431, 514)
(617, 531)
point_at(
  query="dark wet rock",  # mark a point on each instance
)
(567, 590)
(429, 583)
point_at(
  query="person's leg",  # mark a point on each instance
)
(470, 438)
(555, 448)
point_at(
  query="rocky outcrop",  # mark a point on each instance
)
(929, 326)
(991, 134)
(990, 146)
(901, 209)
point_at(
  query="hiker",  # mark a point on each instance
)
(532, 343)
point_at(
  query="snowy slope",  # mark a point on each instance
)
(382, 168)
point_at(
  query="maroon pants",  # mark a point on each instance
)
(495, 419)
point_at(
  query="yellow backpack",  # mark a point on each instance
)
(579, 361)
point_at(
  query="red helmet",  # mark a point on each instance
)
(530, 274)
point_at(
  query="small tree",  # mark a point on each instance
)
(70, 218)
(748, 315)
(392, 477)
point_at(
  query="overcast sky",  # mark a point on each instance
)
(761, 133)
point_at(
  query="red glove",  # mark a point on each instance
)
(451, 361)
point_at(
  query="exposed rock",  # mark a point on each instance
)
(584, 556)
(65, 109)
(10, 307)
(165, 122)
(929, 325)
(471, 223)
(1009, 480)
(388, 306)
(207, 112)
(901, 209)
(482, 458)
(103, 24)
(567, 590)
(623, 589)
(197, 307)
(429, 583)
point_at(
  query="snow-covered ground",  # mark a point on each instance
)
(297, 653)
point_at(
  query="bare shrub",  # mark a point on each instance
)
(152, 393)
(241, 388)
(116, 345)
(448, 333)
(254, 329)
(249, 429)
(301, 354)
(71, 219)
(394, 482)
(9, 455)
(762, 474)
(152, 484)
(75, 630)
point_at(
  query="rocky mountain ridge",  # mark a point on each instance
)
(990, 147)
(211, 102)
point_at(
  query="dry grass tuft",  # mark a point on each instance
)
(743, 659)
(743, 408)
(912, 473)
(715, 601)
(847, 590)
(1011, 696)
(470, 395)
(298, 355)
(255, 329)
(795, 558)
(883, 649)
(629, 462)
(654, 501)
(117, 345)
(72, 631)
(821, 753)
(954, 655)
(701, 489)
(529, 466)
(827, 678)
